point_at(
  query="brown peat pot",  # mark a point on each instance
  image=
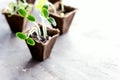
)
(53, 1)
(16, 22)
(42, 50)
(63, 23)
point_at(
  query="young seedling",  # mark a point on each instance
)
(44, 15)
(15, 6)
(62, 8)
(54, 9)
(24, 35)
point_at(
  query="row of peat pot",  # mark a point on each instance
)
(42, 50)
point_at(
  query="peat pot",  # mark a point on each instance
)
(42, 50)
(63, 22)
(16, 22)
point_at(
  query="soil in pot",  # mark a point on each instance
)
(42, 49)
(63, 22)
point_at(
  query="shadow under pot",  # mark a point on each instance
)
(63, 22)
(53, 1)
(16, 22)
(42, 49)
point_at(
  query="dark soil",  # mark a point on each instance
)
(34, 36)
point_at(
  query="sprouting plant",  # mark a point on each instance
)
(15, 6)
(54, 9)
(44, 15)
(26, 35)
(62, 8)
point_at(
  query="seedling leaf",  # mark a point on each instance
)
(52, 21)
(45, 6)
(45, 12)
(22, 12)
(21, 35)
(31, 18)
(30, 41)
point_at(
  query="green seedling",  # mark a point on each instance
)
(54, 9)
(15, 6)
(44, 15)
(26, 36)
(62, 8)
(42, 6)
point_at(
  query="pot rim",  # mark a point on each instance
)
(5, 12)
(57, 34)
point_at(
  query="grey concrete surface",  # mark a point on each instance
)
(89, 51)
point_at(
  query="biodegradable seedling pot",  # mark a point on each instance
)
(63, 22)
(53, 1)
(42, 50)
(16, 22)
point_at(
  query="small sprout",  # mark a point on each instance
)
(62, 6)
(22, 12)
(52, 6)
(21, 35)
(30, 41)
(45, 12)
(52, 21)
(62, 14)
(31, 18)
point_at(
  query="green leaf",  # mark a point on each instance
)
(30, 41)
(52, 21)
(45, 12)
(21, 35)
(45, 6)
(22, 12)
(31, 18)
